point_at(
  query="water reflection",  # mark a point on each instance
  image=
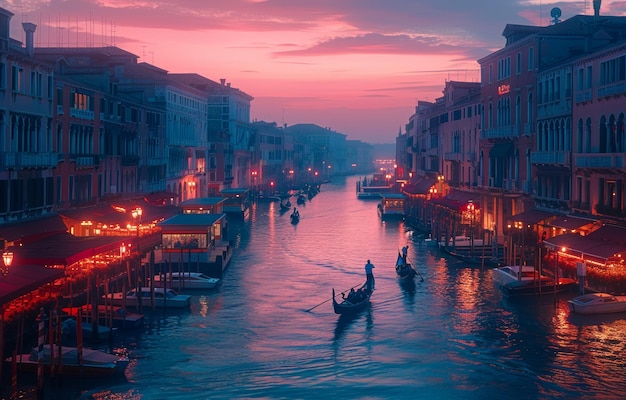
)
(269, 331)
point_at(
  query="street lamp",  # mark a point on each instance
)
(137, 213)
(7, 258)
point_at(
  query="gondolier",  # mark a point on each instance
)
(369, 273)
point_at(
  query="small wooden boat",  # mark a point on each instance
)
(598, 303)
(353, 303)
(163, 298)
(186, 280)
(115, 316)
(73, 361)
(301, 199)
(537, 287)
(404, 270)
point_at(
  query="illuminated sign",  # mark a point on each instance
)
(504, 89)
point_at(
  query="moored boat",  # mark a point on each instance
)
(186, 280)
(73, 361)
(355, 302)
(537, 287)
(515, 273)
(597, 303)
(162, 298)
(115, 316)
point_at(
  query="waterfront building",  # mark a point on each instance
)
(112, 139)
(459, 135)
(229, 132)
(29, 152)
(328, 152)
(272, 159)
(599, 136)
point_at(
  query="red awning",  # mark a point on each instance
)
(532, 217)
(32, 229)
(458, 199)
(421, 186)
(23, 279)
(610, 233)
(570, 223)
(66, 249)
(585, 246)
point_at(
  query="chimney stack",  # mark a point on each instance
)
(29, 28)
(596, 8)
(223, 81)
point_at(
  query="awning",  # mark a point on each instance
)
(532, 217)
(610, 233)
(585, 246)
(420, 187)
(570, 223)
(23, 279)
(501, 150)
(66, 249)
(457, 199)
(32, 229)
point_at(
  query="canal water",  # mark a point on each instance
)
(269, 330)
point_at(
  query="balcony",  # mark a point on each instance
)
(15, 160)
(503, 132)
(82, 114)
(600, 160)
(83, 160)
(550, 157)
(612, 90)
(453, 156)
(581, 97)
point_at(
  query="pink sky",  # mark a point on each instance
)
(356, 66)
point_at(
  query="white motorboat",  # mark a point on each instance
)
(163, 298)
(77, 362)
(597, 303)
(186, 280)
(515, 273)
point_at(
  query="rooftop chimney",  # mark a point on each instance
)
(596, 8)
(29, 28)
(223, 81)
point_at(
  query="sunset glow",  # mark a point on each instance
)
(358, 67)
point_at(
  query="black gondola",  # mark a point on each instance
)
(295, 217)
(405, 270)
(285, 207)
(353, 303)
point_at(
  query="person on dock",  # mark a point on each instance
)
(369, 273)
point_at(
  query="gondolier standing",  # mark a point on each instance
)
(369, 273)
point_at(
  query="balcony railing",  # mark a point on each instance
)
(501, 132)
(29, 160)
(550, 157)
(82, 114)
(600, 160)
(612, 90)
(453, 156)
(583, 96)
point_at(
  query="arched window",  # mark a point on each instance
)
(579, 136)
(603, 135)
(587, 146)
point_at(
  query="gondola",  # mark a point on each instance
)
(285, 207)
(301, 199)
(350, 306)
(404, 270)
(295, 218)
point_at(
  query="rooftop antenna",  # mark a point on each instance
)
(555, 13)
